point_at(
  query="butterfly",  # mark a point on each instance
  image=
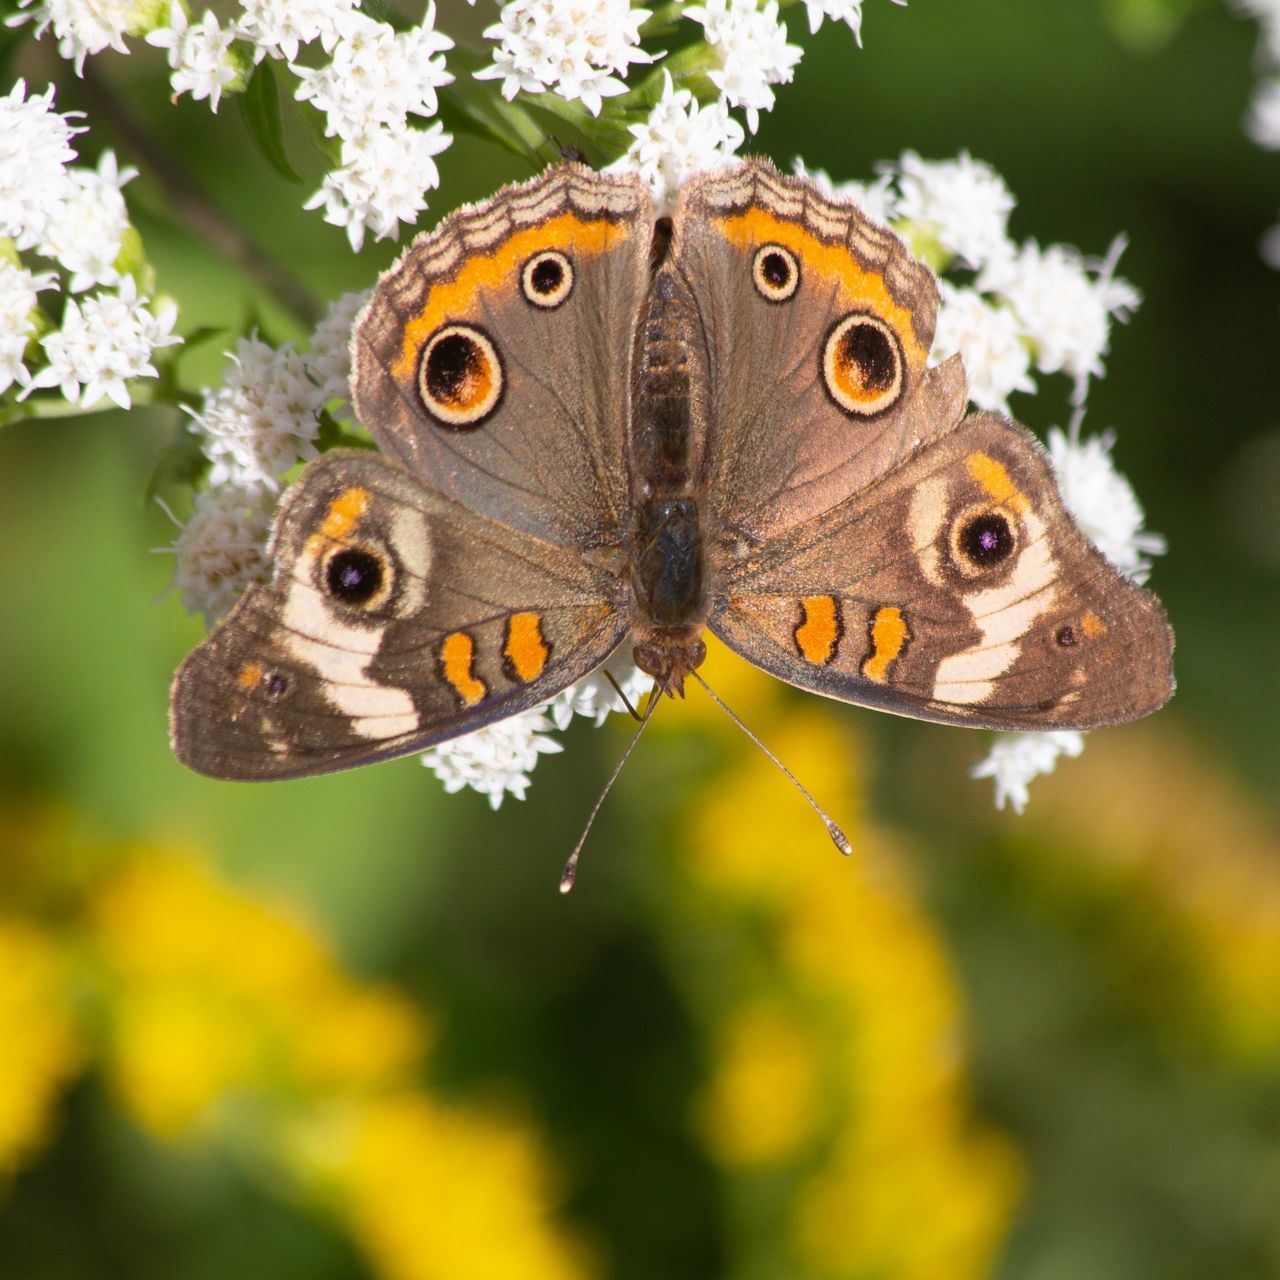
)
(597, 427)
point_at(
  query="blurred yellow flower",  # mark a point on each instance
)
(840, 1056)
(221, 1018)
(1184, 848)
(439, 1192)
(40, 1047)
(762, 1104)
(214, 990)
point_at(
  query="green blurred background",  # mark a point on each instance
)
(1035, 1049)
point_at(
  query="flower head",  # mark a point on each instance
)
(1102, 500)
(18, 289)
(495, 760)
(382, 180)
(1017, 759)
(377, 76)
(277, 28)
(82, 27)
(1065, 304)
(87, 230)
(104, 342)
(221, 550)
(847, 11)
(328, 358)
(201, 57)
(997, 362)
(578, 49)
(963, 204)
(751, 45)
(679, 139)
(35, 149)
(262, 421)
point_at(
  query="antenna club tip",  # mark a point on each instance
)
(566, 883)
(839, 838)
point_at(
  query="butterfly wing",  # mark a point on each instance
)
(494, 358)
(395, 618)
(493, 367)
(808, 334)
(957, 588)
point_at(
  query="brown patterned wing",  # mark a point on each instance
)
(494, 358)
(395, 618)
(809, 331)
(956, 589)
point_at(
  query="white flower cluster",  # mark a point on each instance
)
(375, 80)
(75, 219)
(1262, 121)
(680, 138)
(497, 760)
(262, 421)
(1016, 307)
(578, 49)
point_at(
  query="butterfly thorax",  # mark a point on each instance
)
(669, 605)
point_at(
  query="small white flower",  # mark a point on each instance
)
(997, 362)
(878, 199)
(1262, 124)
(382, 180)
(494, 760)
(35, 149)
(1017, 759)
(201, 57)
(1102, 500)
(963, 204)
(86, 233)
(276, 28)
(105, 341)
(594, 695)
(222, 549)
(751, 44)
(578, 49)
(18, 289)
(82, 27)
(328, 359)
(262, 420)
(1064, 309)
(846, 11)
(679, 139)
(377, 76)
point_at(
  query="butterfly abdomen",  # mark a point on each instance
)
(669, 597)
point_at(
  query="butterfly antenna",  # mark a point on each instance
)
(570, 871)
(838, 837)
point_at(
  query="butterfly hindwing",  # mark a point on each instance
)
(956, 589)
(395, 618)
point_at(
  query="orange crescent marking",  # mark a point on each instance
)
(345, 512)
(455, 298)
(250, 675)
(456, 656)
(992, 476)
(525, 649)
(819, 633)
(889, 635)
(858, 287)
(1092, 625)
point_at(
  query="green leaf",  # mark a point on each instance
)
(261, 105)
